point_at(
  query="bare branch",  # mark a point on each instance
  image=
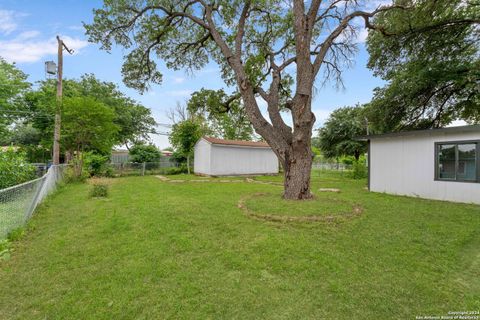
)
(326, 45)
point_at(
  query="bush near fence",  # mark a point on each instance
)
(18, 203)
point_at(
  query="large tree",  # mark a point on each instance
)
(257, 43)
(432, 77)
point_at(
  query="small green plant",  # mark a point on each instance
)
(176, 170)
(99, 191)
(71, 175)
(6, 247)
(359, 170)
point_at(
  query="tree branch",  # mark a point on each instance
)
(326, 45)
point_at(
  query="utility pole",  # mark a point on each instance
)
(58, 110)
(366, 125)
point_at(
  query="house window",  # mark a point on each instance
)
(458, 161)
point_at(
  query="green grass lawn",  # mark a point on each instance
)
(155, 249)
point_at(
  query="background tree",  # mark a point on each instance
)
(432, 77)
(337, 136)
(13, 85)
(144, 153)
(28, 138)
(87, 126)
(183, 137)
(258, 44)
(224, 114)
(133, 120)
(14, 168)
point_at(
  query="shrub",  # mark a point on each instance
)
(99, 191)
(14, 168)
(359, 169)
(97, 165)
(177, 170)
(71, 175)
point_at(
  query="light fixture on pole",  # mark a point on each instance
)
(50, 68)
(58, 110)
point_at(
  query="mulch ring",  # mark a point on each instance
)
(247, 180)
(357, 210)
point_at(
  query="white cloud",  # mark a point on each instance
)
(262, 104)
(178, 80)
(321, 116)
(76, 28)
(8, 21)
(457, 123)
(19, 50)
(374, 4)
(362, 35)
(180, 93)
(28, 35)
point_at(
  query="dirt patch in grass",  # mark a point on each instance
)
(269, 207)
(101, 181)
(246, 180)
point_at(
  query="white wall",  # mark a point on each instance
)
(406, 166)
(237, 160)
(213, 159)
(201, 162)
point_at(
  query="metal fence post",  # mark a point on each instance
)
(143, 169)
(35, 199)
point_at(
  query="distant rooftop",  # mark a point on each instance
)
(460, 129)
(237, 142)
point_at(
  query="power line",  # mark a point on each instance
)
(17, 111)
(164, 125)
(163, 133)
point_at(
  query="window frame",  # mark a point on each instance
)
(456, 143)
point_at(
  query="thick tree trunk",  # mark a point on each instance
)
(297, 169)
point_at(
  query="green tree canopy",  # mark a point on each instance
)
(88, 125)
(337, 136)
(224, 114)
(430, 60)
(14, 168)
(183, 137)
(133, 120)
(13, 85)
(144, 153)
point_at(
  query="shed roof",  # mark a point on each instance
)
(459, 129)
(237, 143)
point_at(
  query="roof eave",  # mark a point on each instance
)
(459, 129)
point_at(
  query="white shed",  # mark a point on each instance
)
(441, 164)
(218, 157)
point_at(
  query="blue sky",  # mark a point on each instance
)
(27, 37)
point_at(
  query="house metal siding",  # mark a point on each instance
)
(221, 160)
(201, 161)
(405, 165)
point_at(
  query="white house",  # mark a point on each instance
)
(218, 157)
(441, 164)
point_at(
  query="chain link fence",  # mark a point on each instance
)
(331, 166)
(18, 203)
(141, 169)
